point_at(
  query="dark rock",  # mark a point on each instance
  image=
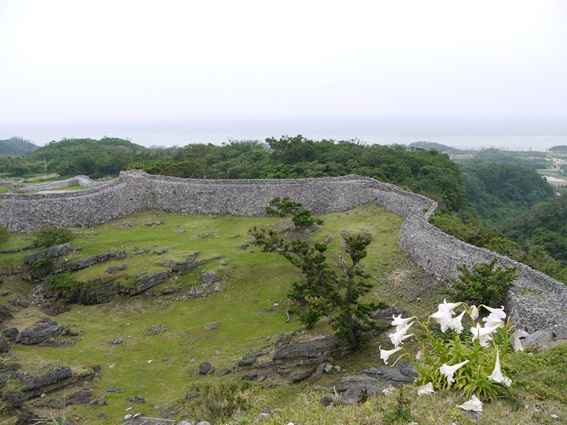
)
(354, 395)
(79, 397)
(318, 347)
(10, 334)
(394, 376)
(136, 399)
(208, 278)
(248, 360)
(206, 368)
(41, 331)
(5, 313)
(146, 282)
(117, 341)
(14, 398)
(225, 372)
(2, 382)
(155, 329)
(19, 302)
(300, 376)
(113, 389)
(250, 376)
(409, 370)
(44, 376)
(51, 252)
(544, 338)
(360, 380)
(4, 347)
(191, 394)
(327, 400)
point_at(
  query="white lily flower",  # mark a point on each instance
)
(455, 323)
(497, 373)
(385, 354)
(443, 317)
(427, 389)
(517, 342)
(398, 337)
(498, 312)
(474, 312)
(473, 405)
(449, 371)
(483, 334)
(492, 320)
(448, 306)
(399, 323)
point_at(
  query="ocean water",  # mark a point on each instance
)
(508, 134)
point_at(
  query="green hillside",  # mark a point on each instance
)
(152, 344)
(16, 146)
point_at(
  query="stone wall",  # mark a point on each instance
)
(536, 302)
(84, 181)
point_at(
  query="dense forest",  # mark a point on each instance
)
(497, 200)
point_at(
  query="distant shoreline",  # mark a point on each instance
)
(511, 143)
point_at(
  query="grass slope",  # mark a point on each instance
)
(250, 312)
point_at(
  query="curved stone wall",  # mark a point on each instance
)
(536, 302)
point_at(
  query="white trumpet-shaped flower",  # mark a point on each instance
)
(398, 337)
(473, 405)
(444, 318)
(517, 342)
(492, 320)
(498, 312)
(448, 306)
(385, 354)
(449, 371)
(474, 312)
(455, 323)
(484, 334)
(496, 374)
(427, 389)
(399, 323)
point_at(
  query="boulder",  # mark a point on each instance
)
(248, 360)
(300, 376)
(315, 348)
(51, 252)
(44, 376)
(16, 399)
(41, 331)
(206, 368)
(4, 346)
(5, 313)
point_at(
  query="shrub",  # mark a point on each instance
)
(217, 403)
(63, 282)
(485, 284)
(50, 236)
(43, 263)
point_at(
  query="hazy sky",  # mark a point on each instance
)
(70, 62)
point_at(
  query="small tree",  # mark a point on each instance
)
(50, 236)
(301, 218)
(485, 284)
(326, 290)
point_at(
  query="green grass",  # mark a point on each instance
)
(161, 367)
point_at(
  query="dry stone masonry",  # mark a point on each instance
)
(537, 302)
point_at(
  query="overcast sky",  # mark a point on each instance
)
(70, 62)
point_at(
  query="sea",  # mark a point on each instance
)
(516, 134)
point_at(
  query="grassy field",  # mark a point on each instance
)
(250, 313)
